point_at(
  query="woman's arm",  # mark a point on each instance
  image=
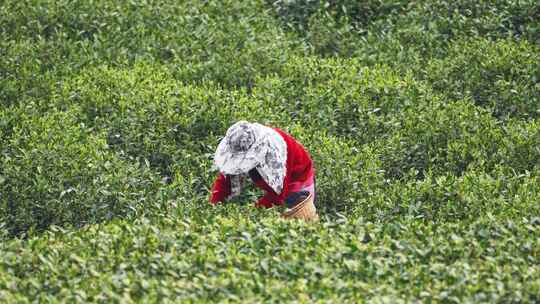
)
(221, 189)
(271, 198)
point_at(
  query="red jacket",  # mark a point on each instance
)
(299, 170)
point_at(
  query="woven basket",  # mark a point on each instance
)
(304, 210)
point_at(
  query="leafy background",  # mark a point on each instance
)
(423, 118)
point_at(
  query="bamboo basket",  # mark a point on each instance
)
(304, 210)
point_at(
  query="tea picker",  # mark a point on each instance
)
(274, 161)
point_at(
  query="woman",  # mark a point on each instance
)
(271, 158)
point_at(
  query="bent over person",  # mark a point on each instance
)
(272, 159)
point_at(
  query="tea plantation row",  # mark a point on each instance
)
(197, 253)
(423, 119)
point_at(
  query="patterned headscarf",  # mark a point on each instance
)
(252, 145)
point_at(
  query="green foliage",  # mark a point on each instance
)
(403, 32)
(238, 255)
(71, 35)
(503, 76)
(55, 171)
(422, 118)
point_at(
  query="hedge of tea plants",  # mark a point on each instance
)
(422, 117)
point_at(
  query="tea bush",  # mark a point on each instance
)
(421, 118)
(240, 255)
(55, 171)
(183, 35)
(388, 30)
(351, 100)
(503, 76)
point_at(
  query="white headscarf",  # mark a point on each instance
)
(252, 145)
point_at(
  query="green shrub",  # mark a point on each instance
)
(491, 19)
(501, 76)
(236, 255)
(518, 153)
(345, 97)
(440, 138)
(401, 32)
(25, 71)
(196, 39)
(448, 198)
(59, 172)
